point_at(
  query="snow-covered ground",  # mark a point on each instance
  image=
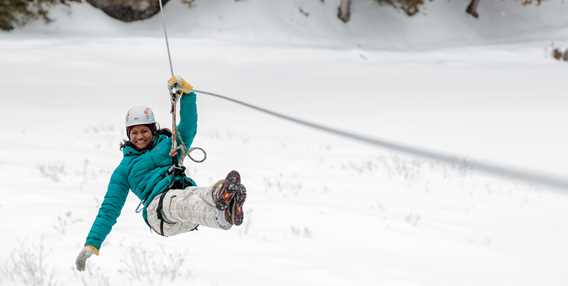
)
(321, 210)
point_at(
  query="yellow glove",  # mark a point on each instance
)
(178, 86)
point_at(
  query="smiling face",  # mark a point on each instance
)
(141, 136)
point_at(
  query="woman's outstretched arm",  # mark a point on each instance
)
(110, 209)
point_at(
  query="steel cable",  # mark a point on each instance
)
(165, 30)
(490, 168)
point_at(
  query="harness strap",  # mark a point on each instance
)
(159, 212)
(160, 208)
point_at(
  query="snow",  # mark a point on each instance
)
(321, 210)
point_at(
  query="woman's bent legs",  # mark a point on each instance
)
(185, 209)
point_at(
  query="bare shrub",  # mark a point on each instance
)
(303, 232)
(92, 276)
(64, 222)
(152, 267)
(410, 7)
(27, 266)
(529, 2)
(560, 55)
(188, 2)
(557, 54)
(53, 171)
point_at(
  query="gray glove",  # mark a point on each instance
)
(85, 253)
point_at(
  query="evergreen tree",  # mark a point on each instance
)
(18, 12)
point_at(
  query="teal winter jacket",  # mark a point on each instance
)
(144, 173)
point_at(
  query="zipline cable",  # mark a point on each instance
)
(174, 100)
(173, 97)
(165, 30)
(475, 165)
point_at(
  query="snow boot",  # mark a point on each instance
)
(235, 214)
(224, 191)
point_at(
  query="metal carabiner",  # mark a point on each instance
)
(200, 149)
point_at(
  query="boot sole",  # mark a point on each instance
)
(229, 189)
(237, 212)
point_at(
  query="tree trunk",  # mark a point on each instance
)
(344, 10)
(472, 8)
(557, 54)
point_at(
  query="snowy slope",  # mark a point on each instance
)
(268, 22)
(321, 210)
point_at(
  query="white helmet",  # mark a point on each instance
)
(139, 115)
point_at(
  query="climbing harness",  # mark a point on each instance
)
(159, 212)
(489, 168)
(175, 184)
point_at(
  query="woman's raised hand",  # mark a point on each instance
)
(178, 86)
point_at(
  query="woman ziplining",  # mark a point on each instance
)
(151, 169)
(172, 204)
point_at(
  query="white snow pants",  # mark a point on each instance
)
(184, 209)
